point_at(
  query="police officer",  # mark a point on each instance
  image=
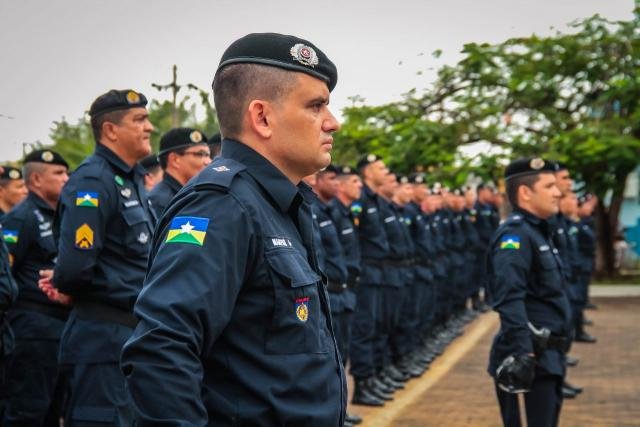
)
(12, 189)
(587, 245)
(153, 171)
(104, 225)
(234, 317)
(183, 153)
(374, 248)
(34, 384)
(526, 287)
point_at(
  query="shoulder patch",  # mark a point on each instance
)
(219, 173)
(84, 237)
(87, 199)
(10, 236)
(187, 229)
(510, 241)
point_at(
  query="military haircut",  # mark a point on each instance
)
(512, 185)
(30, 168)
(164, 157)
(236, 85)
(112, 117)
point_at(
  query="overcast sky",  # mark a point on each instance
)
(57, 56)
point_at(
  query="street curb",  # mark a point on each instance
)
(614, 291)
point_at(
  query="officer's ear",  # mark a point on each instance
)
(525, 193)
(259, 116)
(109, 131)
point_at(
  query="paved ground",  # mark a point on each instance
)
(456, 391)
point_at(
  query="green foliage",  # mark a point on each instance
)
(75, 141)
(573, 97)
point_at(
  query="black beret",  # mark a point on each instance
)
(331, 168)
(528, 166)
(417, 178)
(559, 166)
(11, 173)
(368, 159)
(150, 162)
(45, 156)
(117, 100)
(179, 138)
(214, 139)
(346, 170)
(283, 51)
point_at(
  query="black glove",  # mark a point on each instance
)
(516, 373)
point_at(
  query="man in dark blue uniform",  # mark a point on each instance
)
(526, 287)
(587, 245)
(234, 317)
(153, 171)
(8, 295)
(34, 384)
(183, 153)
(12, 189)
(374, 248)
(104, 225)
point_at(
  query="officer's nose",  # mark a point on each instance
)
(331, 124)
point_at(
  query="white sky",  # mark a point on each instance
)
(57, 56)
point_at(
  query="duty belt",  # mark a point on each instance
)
(59, 313)
(90, 310)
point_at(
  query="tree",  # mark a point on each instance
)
(573, 97)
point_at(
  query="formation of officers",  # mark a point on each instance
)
(172, 290)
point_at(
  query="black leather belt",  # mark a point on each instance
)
(89, 310)
(60, 313)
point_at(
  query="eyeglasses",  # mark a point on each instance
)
(200, 154)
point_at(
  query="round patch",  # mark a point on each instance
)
(47, 156)
(404, 180)
(304, 55)
(346, 170)
(195, 137)
(536, 163)
(14, 174)
(133, 97)
(371, 158)
(302, 312)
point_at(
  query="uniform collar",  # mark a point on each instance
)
(111, 157)
(267, 175)
(528, 216)
(171, 182)
(39, 202)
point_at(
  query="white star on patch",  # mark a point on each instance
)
(186, 228)
(87, 197)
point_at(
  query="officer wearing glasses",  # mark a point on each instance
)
(183, 153)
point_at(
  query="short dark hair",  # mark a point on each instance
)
(112, 117)
(512, 185)
(236, 85)
(164, 157)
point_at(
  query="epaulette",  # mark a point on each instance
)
(514, 220)
(87, 171)
(218, 174)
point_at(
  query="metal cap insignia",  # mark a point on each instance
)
(304, 55)
(371, 158)
(47, 156)
(195, 137)
(133, 97)
(536, 163)
(14, 174)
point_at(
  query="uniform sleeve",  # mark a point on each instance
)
(84, 210)
(510, 262)
(18, 238)
(188, 298)
(8, 288)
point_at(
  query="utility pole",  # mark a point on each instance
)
(174, 87)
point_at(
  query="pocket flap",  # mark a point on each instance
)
(293, 267)
(134, 215)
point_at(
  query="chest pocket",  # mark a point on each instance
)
(137, 236)
(298, 323)
(551, 277)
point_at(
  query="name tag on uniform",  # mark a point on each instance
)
(279, 242)
(325, 223)
(372, 210)
(544, 248)
(131, 203)
(347, 231)
(389, 219)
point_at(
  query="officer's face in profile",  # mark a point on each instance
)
(350, 186)
(134, 133)
(544, 197)
(193, 160)
(51, 180)
(564, 181)
(376, 172)
(569, 204)
(327, 184)
(302, 127)
(13, 192)
(419, 192)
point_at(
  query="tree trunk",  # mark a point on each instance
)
(606, 231)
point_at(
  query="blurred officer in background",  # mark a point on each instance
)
(12, 189)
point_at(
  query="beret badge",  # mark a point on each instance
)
(304, 55)
(47, 156)
(133, 97)
(195, 137)
(536, 163)
(371, 158)
(419, 179)
(14, 174)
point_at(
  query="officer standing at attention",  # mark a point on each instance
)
(526, 287)
(36, 322)
(183, 153)
(153, 171)
(235, 327)
(104, 225)
(12, 189)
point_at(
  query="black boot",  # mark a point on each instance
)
(353, 419)
(362, 396)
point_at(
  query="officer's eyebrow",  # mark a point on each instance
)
(320, 100)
